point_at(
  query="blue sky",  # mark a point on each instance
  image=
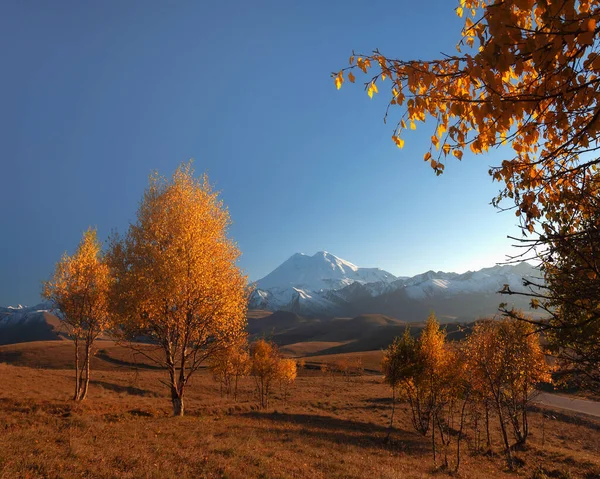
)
(95, 95)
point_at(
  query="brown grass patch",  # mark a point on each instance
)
(327, 428)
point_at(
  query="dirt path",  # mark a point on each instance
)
(569, 403)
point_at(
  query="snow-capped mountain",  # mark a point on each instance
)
(303, 283)
(13, 315)
(321, 271)
(21, 323)
(486, 280)
(324, 284)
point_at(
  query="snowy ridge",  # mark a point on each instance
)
(321, 271)
(485, 281)
(325, 284)
(12, 315)
(303, 283)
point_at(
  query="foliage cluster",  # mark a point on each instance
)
(267, 367)
(526, 75)
(79, 290)
(495, 369)
(172, 280)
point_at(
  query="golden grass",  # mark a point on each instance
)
(308, 347)
(327, 428)
(371, 360)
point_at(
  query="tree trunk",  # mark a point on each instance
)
(177, 400)
(460, 433)
(392, 417)
(433, 441)
(86, 365)
(524, 423)
(487, 426)
(76, 395)
(267, 396)
(504, 435)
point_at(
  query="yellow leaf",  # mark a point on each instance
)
(399, 142)
(372, 89)
(412, 125)
(459, 12)
(591, 25)
(441, 130)
(339, 79)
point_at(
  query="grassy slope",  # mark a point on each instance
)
(327, 428)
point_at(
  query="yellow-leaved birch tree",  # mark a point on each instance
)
(79, 290)
(526, 75)
(177, 284)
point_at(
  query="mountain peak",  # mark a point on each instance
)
(322, 270)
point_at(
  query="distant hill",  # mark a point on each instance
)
(109, 355)
(300, 336)
(325, 286)
(22, 324)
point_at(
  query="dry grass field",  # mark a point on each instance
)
(327, 428)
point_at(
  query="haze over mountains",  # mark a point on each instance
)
(326, 285)
(323, 299)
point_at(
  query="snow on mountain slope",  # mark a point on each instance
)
(12, 315)
(319, 272)
(21, 324)
(324, 284)
(486, 281)
(303, 283)
(292, 299)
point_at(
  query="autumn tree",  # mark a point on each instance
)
(525, 75)
(79, 290)
(416, 367)
(264, 368)
(287, 370)
(527, 368)
(506, 358)
(177, 281)
(570, 298)
(429, 373)
(432, 374)
(398, 364)
(229, 365)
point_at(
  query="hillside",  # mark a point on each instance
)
(300, 336)
(326, 286)
(327, 427)
(29, 325)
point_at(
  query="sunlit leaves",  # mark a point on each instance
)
(267, 366)
(177, 278)
(372, 89)
(79, 288)
(527, 78)
(399, 141)
(339, 79)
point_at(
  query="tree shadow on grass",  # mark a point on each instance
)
(346, 431)
(133, 391)
(10, 357)
(120, 362)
